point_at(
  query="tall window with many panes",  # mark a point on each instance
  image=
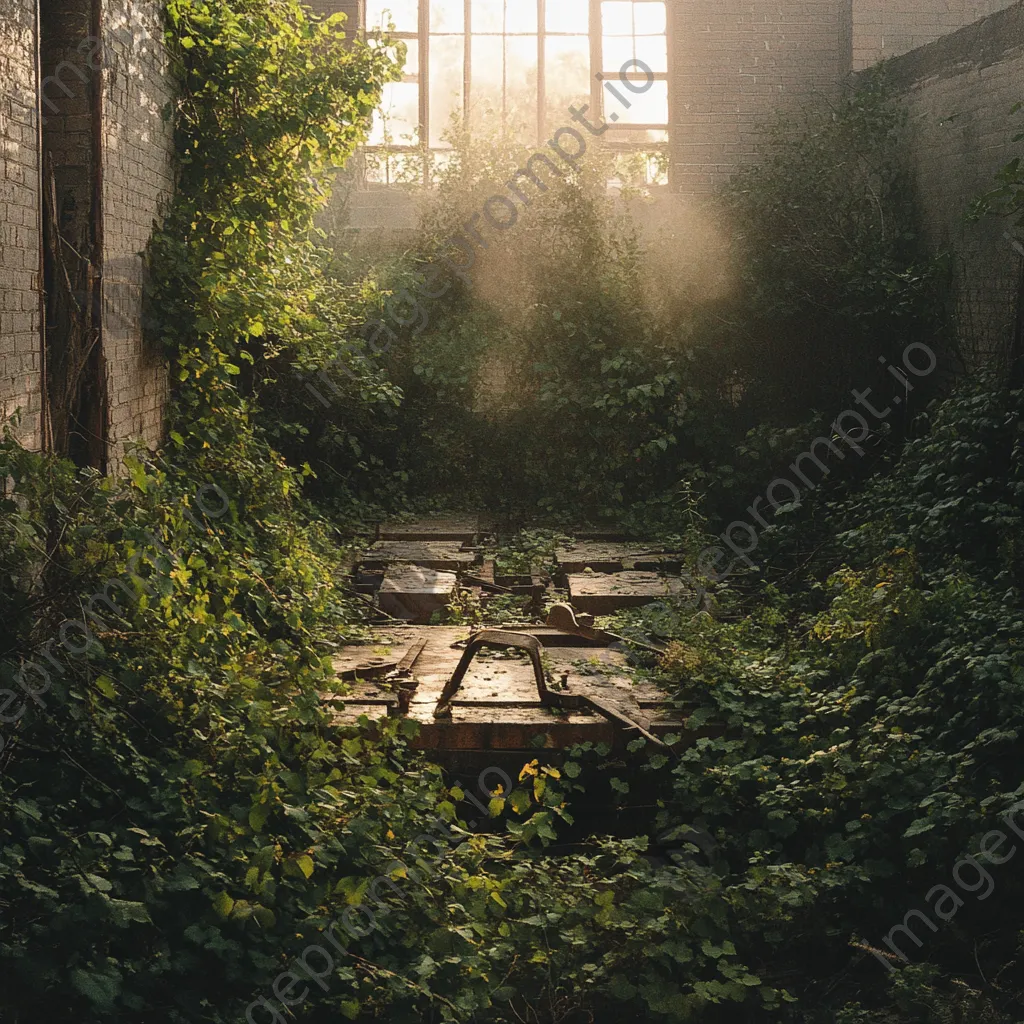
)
(517, 66)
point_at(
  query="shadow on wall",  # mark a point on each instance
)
(960, 92)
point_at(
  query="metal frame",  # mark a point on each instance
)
(548, 698)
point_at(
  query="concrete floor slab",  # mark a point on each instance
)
(413, 593)
(601, 556)
(445, 556)
(464, 529)
(605, 594)
(497, 708)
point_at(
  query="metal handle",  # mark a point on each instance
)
(494, 638)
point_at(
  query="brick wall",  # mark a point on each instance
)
(959, 92)
(735, 64)
(137, 183)
(20, 346)
(888, 28)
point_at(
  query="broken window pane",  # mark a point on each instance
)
(404, 14)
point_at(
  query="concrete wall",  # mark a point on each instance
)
(20, 343)
(137, 183)
(735, 64)
(889, 28)
(959, 92)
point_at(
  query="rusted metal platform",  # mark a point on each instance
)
(414, 593)
(445, 556)
(605, 594)
(497, 708)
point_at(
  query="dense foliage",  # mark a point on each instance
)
(866, 698)
(603, 352)
(185, 834)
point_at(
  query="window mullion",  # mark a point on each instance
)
(596, 51)
(424, 33)
(467, 61)
(504, 66)
(541, 69)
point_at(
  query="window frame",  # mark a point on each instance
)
(599, 80)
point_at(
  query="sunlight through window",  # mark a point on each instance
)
(518, 65)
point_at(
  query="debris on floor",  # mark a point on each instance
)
(587, 692)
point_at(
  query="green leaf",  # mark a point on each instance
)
(919, 826)
(258, 815)
(520, 800)
(222, 904)
(124, 911)
(100, 989)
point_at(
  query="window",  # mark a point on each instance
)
(517, 65)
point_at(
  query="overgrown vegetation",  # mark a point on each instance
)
(593, 370)
(180, 818)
